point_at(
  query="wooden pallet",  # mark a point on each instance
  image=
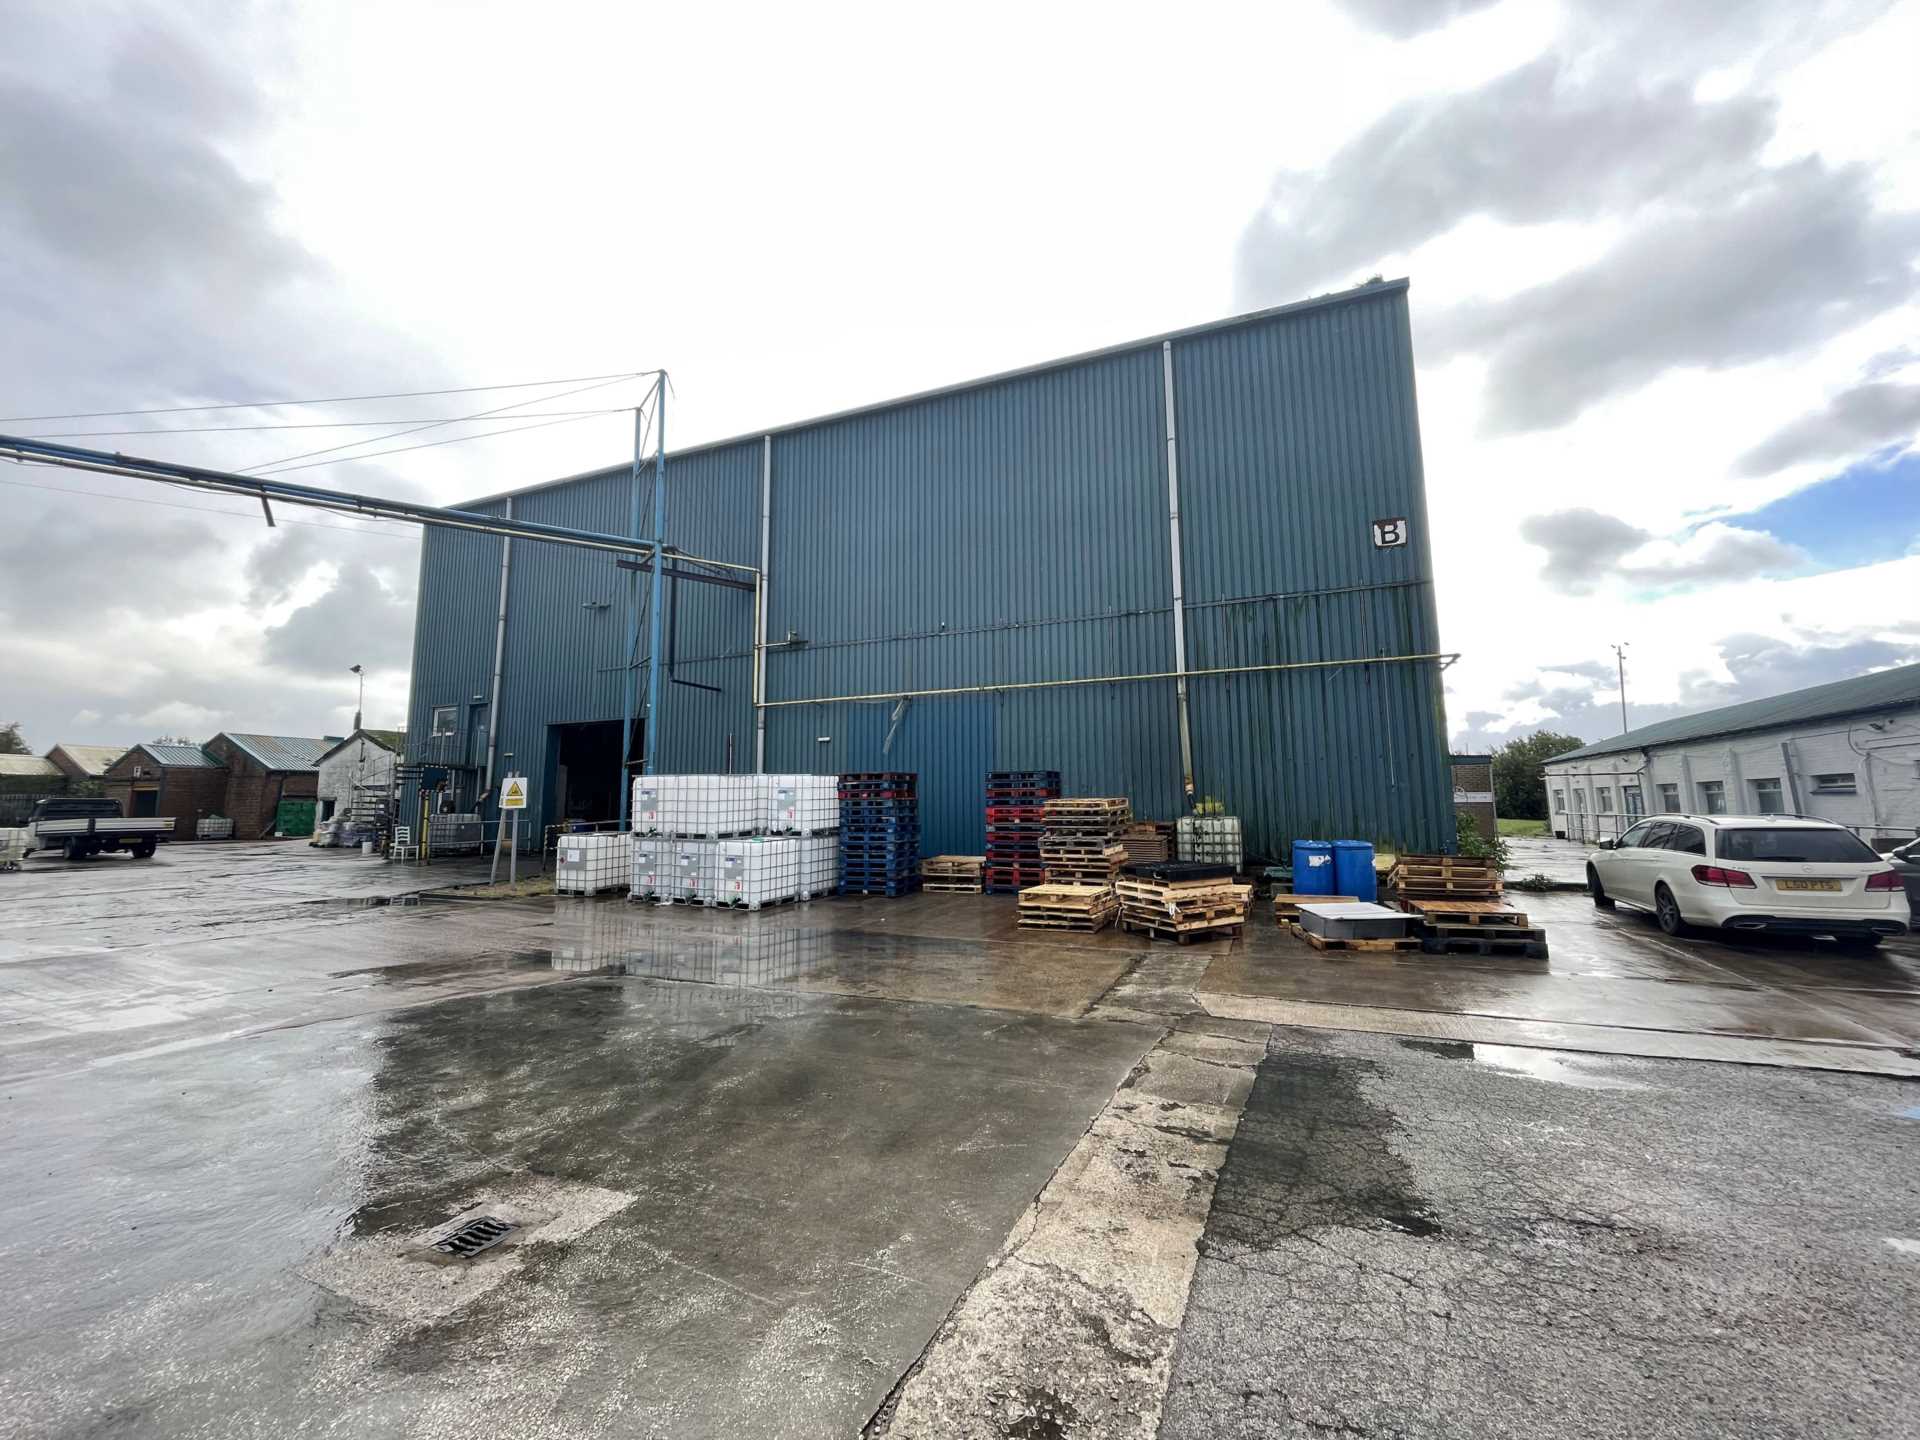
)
(1075, 847)
(1445, 890)
(1463, 912)
(1185, 933)
(1091, 807)
(940, 886)
(1488, 940)
(1381, 947)
(952, 867)
(1067, 907)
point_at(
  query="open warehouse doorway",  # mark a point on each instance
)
(587, 773)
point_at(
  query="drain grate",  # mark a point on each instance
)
(474, 1236)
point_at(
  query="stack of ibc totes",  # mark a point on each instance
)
(879, 833)
(588, 864)
(745, 840)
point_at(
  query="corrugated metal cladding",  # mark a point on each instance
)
(1014, 531)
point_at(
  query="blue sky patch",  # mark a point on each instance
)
(1865, 514)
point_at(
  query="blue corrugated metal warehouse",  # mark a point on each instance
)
(1012, 573)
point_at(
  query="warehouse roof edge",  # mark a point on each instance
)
(1370, 289)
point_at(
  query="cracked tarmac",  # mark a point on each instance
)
(898, 1167)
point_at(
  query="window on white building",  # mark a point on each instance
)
(1834, 784)
(1603, 799)
(1630, 800)
(1559, 802)
(1669, 799)
(1713, 797)
(1767, 798)
(1579, 802)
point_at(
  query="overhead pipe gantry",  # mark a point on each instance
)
(654, 556)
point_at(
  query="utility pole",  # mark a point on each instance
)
(659, 569)
(361, 703)
(633, 620)
(1620, 664)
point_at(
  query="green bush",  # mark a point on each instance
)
(1473, 843)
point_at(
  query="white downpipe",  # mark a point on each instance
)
(760, 610)
(1179, 591)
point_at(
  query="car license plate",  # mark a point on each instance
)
(1823, 886)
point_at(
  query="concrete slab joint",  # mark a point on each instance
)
(1070, 1329)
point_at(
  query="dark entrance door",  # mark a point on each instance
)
(587, 770)
(146, 804)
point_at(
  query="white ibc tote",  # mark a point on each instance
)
(802, 804)
(652, 867)
(704, 806)
(692, 872)
(757, 872)
(819, 865)
(588, 864)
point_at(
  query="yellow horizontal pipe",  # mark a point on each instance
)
(1110, 679)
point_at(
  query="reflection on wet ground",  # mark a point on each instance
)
(1608, 969)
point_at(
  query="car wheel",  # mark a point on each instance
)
(1601, 899)
(1667, 911)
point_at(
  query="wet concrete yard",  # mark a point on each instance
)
(791, 1172)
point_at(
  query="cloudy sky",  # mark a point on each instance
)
(1664, 289)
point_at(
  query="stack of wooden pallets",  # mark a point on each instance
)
(1014, 821)
(1475, 927)
(1147, 842)
(1081, 842)
(955, 874)
(1446, 877)
(1068, 907)
(1182, 902)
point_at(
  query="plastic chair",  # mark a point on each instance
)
(403, 847)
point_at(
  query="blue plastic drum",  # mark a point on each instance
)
(1313, 868)
(1353, 870)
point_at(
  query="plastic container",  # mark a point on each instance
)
(1353, 869)
(588, 864)
(1313, 868)
(757, 872)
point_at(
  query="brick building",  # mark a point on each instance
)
(26, 780)
(84, 763)
(176, 781)
(1473, 791)
(262, 771)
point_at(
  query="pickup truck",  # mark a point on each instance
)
(82, 826)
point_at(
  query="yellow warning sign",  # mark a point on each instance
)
(513, 793)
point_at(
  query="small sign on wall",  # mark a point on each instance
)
(1389, 533)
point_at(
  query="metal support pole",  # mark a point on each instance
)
(659, 541)
(627, 677)
(499, 652)
(513, 854)
(1179, 596)
(760, 610)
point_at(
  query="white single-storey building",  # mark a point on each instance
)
(365, 758)
(1847, 752)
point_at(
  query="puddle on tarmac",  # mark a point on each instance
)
(1583, 1071)
(1580, 1071)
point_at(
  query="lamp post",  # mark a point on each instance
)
(360, 701)
(1620, 664)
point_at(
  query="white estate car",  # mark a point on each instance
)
(1780, 873)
